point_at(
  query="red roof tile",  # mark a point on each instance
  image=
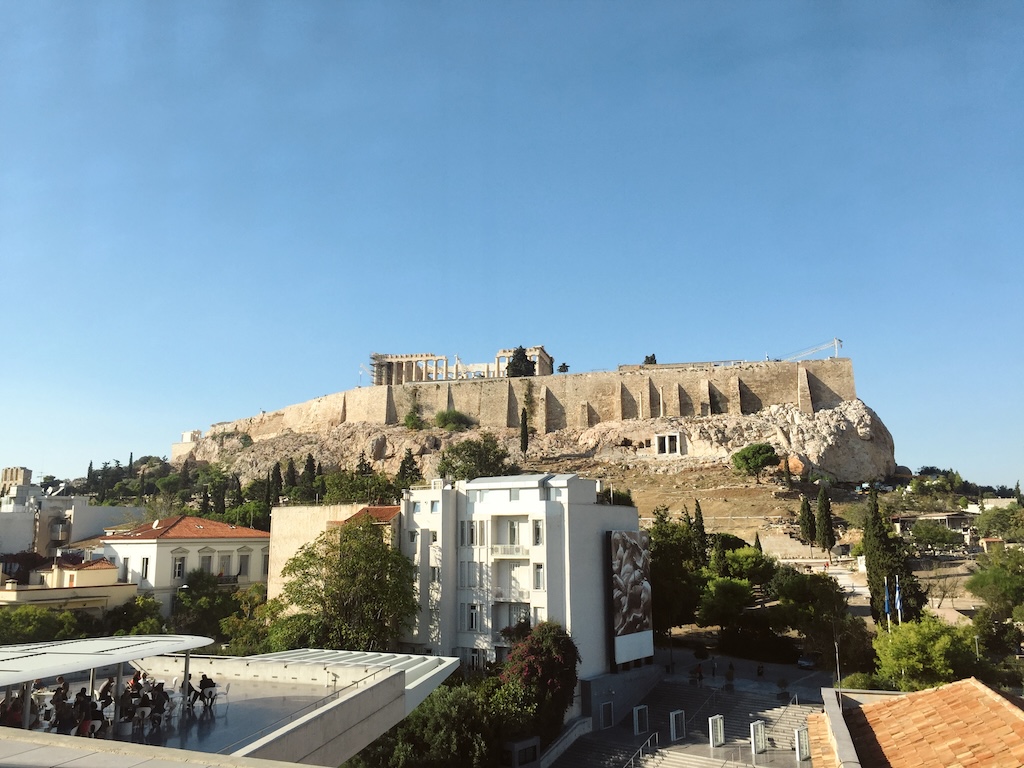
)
(185, 527)
(379, 514)
(964, 723)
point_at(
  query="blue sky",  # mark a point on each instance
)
(208, 209)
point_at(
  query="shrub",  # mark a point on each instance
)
(413, 420)
(452, 419)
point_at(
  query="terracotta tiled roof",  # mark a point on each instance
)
(823, 755)
(90, 565)
(958, 725)
(379, 514)
(185, 527)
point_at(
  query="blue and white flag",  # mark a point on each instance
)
(886, 595)
(899, 601)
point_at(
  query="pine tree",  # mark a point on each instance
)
(131, 461)
(700, 536)
(524, 432)
(719, 562)
(219, 491)
(186, 481)
(826, 534)
(520, 365)
(886, 557)
(290, 479)
(308, 472)
(363, 467)
(88, 478)
(408, 471)
(757, 542)
(808, 532)
(204, 504)
(239, 497)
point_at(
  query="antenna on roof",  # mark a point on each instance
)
(156, 524)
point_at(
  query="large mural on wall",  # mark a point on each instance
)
(631, 616)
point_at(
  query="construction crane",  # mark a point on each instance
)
(836, 343)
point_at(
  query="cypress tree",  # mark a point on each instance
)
(700, 536)
(236, 487)
(808, 532)
(308, 472)
(131, 461)
(219, 491)
(186, 481)
(757, 542)
(719, 562)
(276, 482)
(885, 556)
(826, 534)
(290, 479)
(204, 504)
(88, 478)
(524, 432)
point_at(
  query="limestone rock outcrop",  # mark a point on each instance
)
(848, 442)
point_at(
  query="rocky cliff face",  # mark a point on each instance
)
(849, 443)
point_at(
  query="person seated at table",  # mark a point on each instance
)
(64, 718)
(144, 709)
(160, 702)
(12, 713)
(81, 705)
(127, 704)
(96, 716)
(135, 684)
(60, 693)
(107, 692)
(207, 689)
(189, 691)
(145, 684)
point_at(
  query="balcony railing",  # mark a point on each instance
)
(510, 550)
(511, 594)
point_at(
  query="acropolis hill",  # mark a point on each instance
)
(668, 415)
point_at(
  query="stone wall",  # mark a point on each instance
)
(573, 401)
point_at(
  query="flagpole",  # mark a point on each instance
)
(888, 617)
(899, 601)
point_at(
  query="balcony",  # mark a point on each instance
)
(510, 550)
(510, 595)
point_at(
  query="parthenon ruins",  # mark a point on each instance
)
(403, 369)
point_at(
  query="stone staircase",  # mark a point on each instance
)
(614, 746)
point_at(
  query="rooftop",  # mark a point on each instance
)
(185, 527)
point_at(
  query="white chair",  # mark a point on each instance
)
(94, 725)
(221, 693)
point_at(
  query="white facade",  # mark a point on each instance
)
(32, 521)
(161, 563)
(495, 551)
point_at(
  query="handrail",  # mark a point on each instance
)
(640, 752)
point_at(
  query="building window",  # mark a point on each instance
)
(266, 563)
(224, 567)
(206, 563)
(145, 567)
(435, 574)
(538, 575)
(513, 494)
(125, 571)
(416, 507)
(412, 537)
(433, 537)
(513, 532)
(243, 565)
(538, 532)
(179, 567)
(435, 506)
(473, 619)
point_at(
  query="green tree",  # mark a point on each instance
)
(700, 537)
(204, 503)
(925, 653)
(452, 420)
(651, 359)
(34, 624)
(290, 478)
(276, 483)
(308, 475)
(544, 664)
(886, 557)
(563, 368)
(520, 365)
(471, 459)
(999, 581)
(719, 565)
(524, 432)
(754, 459)
(723, 602)
(408, 471)
(199, 609)
(826, 533)
(808, 529)
(676, 579)
(248, 628)
(350, 590)
(751, 564)
(757, 542)
(141, 616)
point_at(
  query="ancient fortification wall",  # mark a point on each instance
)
(574, 401)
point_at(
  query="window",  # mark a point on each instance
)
(513, 494)
(538, 575)
(412, 537)
(125, 571)
(433, 537)
(469, 573)
(513, 532)
(206, 563)
(266, 563)
(435, 574)
(145, 567)
(224, 564)
(417, 507)
(243, 564)
(538, 532)
(473, 621)
(179, 567)
(435, 506)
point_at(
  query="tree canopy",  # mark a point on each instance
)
(473, 458)
(351, 590)
(754, 459)
(925, 653)
(520, 365)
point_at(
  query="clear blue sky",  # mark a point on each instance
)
(208, 209)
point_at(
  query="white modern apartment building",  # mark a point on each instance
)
(495, 551)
